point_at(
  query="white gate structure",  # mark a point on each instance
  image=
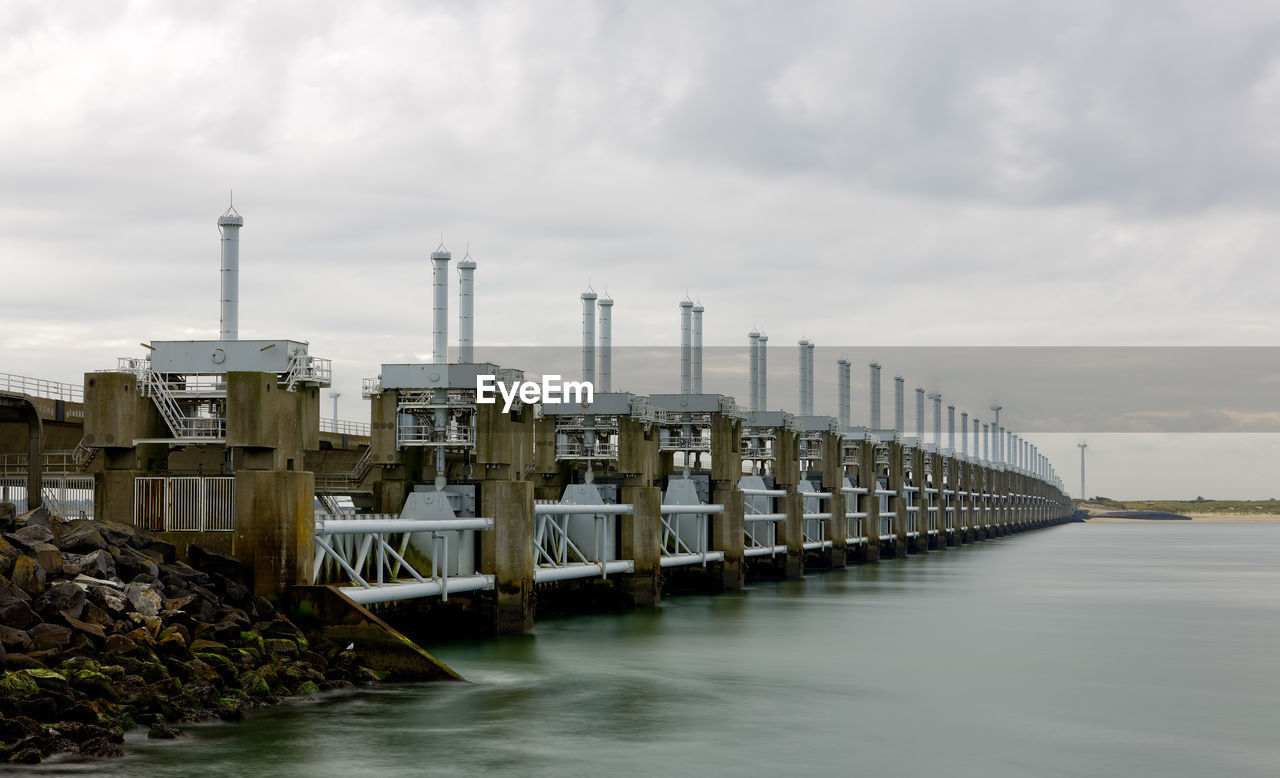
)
(184, 503)
(910, 494)
(760, 520)
(814, 518)
(949, 509)
(886, 515)
(683, 518)
(685, 538)
(931, 509)
(561, 531)
(855, 520)
(367, 552)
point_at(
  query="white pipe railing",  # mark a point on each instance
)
(559, 558)
(675, 551)
(343, 427)
(40, 387)
(359, 547)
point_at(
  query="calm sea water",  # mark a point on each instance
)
(1083, 650)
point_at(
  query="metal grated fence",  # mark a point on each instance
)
(184, 503)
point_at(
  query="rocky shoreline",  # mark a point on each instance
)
(102, 630)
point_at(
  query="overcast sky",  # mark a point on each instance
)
(867, 175)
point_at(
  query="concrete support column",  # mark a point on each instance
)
(940, 500)
(837, 527)
(997, 502)
(1002, 484)
(113, 495)
(726, 536)
(275, 534)
(921, 540)
(897, 482)
(389, 495)
(506, 553)
(989, 521)
(792, 532)
(640, 541)
(867, 480)
(1020, 508)
(35, 463)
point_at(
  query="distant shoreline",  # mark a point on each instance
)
(1198, 518)
(1210, 511)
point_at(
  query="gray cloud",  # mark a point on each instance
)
(949, 174)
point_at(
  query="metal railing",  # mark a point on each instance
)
(65, 462)
(306, 369)
(184, 503)
(887, 516)
(814, 520)
(344, 427)
(165, 394)
(683, 443)
(368, 551)
(577, 450)
(419, 434)
(760, 522)
(685, 545)
(559, 557)
(909, 496)
(68, 496)
(855, 532)
(41, 387)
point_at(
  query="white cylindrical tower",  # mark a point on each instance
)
(995, 425)
(440, 305)
(466, 310)
(589, 337)
(986, 442)
(951, 428)
(753, 340)
(686, 346)
(843, 381)
(803, 351)
(606, 344)
(964, 433)
(229, 225)
(763, 392)
(875, 396)
(975, 437)
(697, 348)
(809, 377)
(937, 419)
(920, 415)
(899, 413)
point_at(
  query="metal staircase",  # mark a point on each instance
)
(185, 423)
